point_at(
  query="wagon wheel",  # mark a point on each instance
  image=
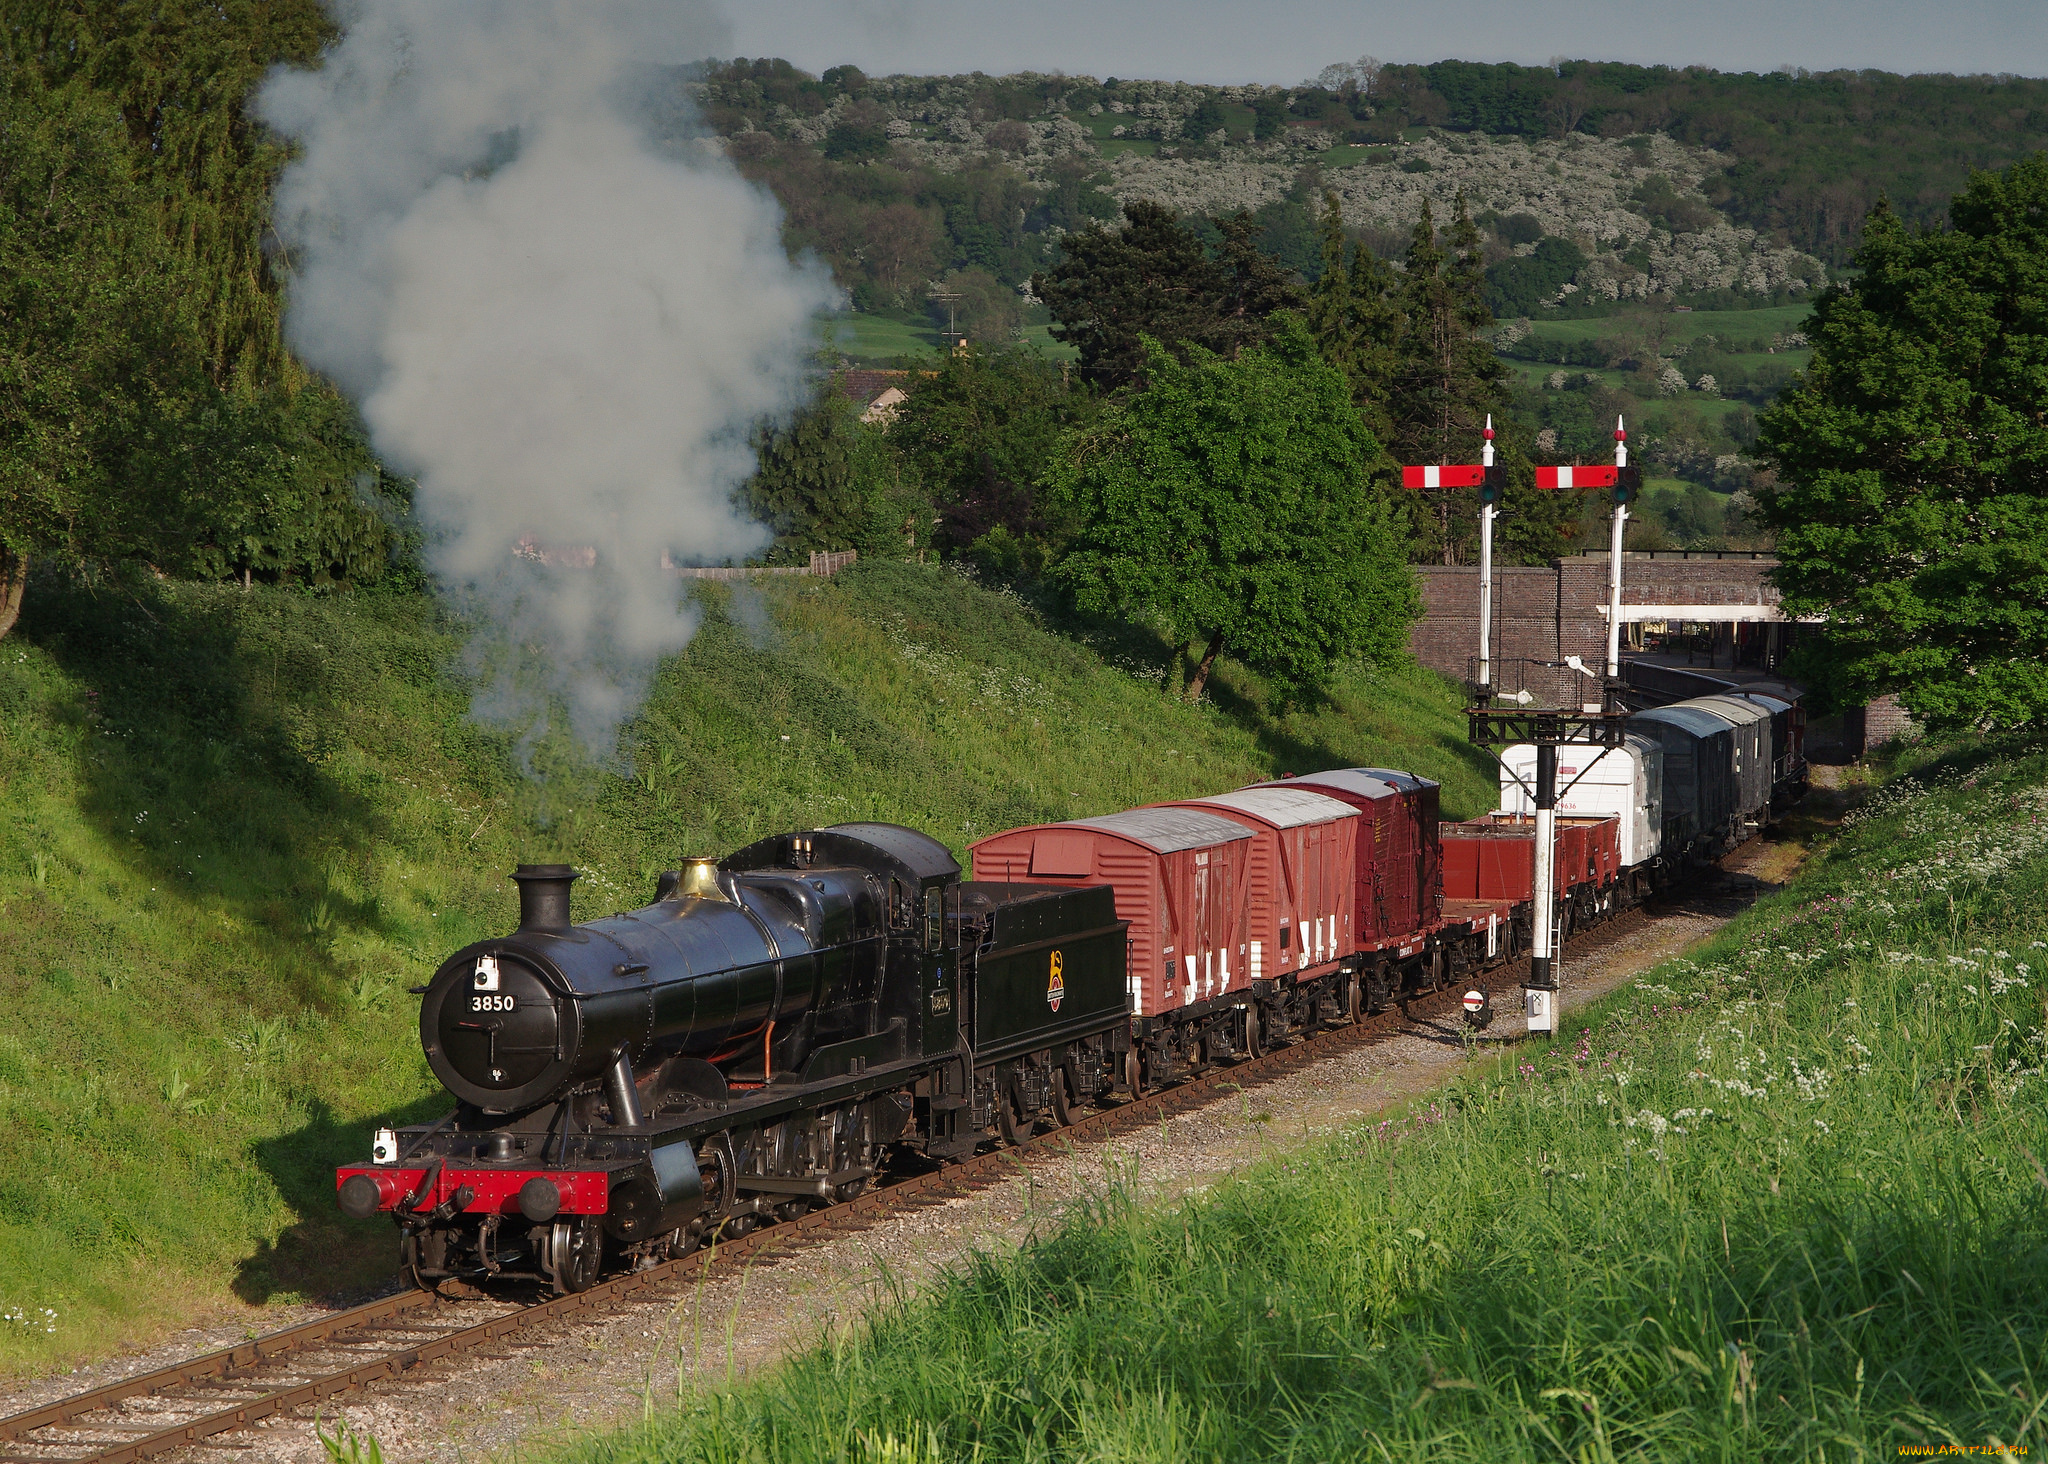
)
(1254, 1032)
(1354, 996)
(1062, 1098)
(1134, 1072)
(1011, 1124)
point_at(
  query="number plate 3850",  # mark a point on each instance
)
(486, 1002)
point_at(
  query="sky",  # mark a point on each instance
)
(1288, 41)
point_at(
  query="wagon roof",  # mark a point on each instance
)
(1735, 708)
(1165, 830)
(1698, 720)
(1352, 780)
(1281, 805)
(1396, 779)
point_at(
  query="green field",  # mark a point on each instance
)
(1101, 124)
(1532, 375)
(1782, 1199)
(1685, 324)
(883, 337)
(236, 826)
(1345, 154)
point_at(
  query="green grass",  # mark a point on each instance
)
(884, 337)
(1781, 1200)
(1345, 154)
(234, 827)
(1533, 374)
(1685, 324)
(1102, 124)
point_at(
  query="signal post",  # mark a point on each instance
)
(1489, 723)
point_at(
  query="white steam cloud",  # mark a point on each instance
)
(560, 328)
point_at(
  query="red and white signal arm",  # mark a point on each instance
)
(1590, 477)
(1448, 475)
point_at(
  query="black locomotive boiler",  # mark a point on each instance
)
(751, 1044)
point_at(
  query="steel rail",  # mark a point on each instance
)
(237, 1368)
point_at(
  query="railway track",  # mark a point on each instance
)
(204, 1401)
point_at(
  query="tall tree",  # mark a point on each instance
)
(91, 334)
(148, 408)
(1447, 377)
(1154, 277)
(1912, 503)
(181, 73)
(1232, 502)
(981, 435)
(1356, 319)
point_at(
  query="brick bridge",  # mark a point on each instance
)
(1546, 613)
(1718, 609)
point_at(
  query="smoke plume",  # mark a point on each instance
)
(558, 326)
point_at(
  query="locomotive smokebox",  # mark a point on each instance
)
(544, 895)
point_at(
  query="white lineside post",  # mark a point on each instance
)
(1614, 561)
(1486, 572)
(1541, 991)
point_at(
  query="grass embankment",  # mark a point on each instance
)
(1783, 1200)
(235, 827)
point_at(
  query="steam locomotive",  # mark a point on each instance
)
(744, 1048)
(774, 1028)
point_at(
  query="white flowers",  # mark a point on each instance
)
(30, 1318)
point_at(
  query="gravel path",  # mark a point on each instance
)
(577, 1376)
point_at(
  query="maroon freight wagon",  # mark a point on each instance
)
(1181, 875)
(1396, 882)
(1495, 858)
(1304, 857)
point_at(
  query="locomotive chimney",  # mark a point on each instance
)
(544, 895)
(700, 879)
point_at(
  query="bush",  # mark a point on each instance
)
(856, 142)
(1523, 285)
